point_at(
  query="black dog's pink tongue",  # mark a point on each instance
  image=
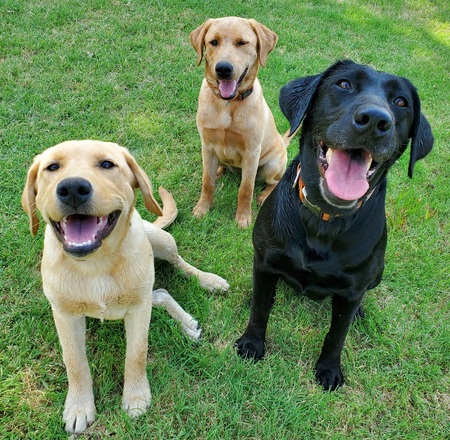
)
(346, 174)
(227, 88)
(82, 228)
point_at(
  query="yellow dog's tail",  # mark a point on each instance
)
(169, 209)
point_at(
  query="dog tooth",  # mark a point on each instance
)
(329, 154)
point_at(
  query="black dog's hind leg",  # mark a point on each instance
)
(251, 344)
(328, 367)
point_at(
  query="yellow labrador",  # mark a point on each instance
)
(236, 126)
(98, 261)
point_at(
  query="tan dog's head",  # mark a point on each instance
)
(234, 49)
(84, 190)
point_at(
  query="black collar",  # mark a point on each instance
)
(239, 97)
(245, 94)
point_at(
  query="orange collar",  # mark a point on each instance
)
(314, 208)
(302, 193)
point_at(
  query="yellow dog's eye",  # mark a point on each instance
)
(107, 164)
(53, 167)
(242, 43)
(213, 42)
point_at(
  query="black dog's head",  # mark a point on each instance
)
(356, 123)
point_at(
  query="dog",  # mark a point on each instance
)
(98, 261)
(236, 126)
(323, 228)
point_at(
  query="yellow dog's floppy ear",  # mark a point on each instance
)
(29, 195)
(267, 40)
(143, 183)
(197, 38)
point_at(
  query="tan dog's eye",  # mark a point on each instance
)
(242, 43)
(53, 167)
(401, 102)
(107, 164)
(214, 43)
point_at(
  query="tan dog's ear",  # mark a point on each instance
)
(143, 183)
(267, 40)
(197, 38)
(29, 195)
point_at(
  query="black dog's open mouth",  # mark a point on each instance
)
(228, 88)
(82, 234)
(347, 173)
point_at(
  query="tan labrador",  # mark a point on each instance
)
(98, 261)
(236, 126)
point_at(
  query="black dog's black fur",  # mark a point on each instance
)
(347, 107)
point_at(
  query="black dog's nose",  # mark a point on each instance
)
(74, 191)
(224, 69)
(373, 119)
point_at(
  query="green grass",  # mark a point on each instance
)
(125, 72)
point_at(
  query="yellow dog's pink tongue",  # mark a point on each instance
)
(83, 228)
(346, 174)
(227, 88)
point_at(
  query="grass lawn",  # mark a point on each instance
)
(125, 71)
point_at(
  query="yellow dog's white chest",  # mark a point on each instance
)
(100, 287)
(99, 297)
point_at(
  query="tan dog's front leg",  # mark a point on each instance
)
(136, 390)
(210, 164)
(79, 409)
(244, 208)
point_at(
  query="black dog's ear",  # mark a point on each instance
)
(295, 98)
(421, 136)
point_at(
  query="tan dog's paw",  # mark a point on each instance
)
(244, 220)
(212, 282)
(78, 416)
(201, 208)
(136, 400)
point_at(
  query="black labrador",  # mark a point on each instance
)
(323, 228)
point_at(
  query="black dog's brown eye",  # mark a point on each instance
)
(107, 164)
(401, 102)
(53, 167)
(213, 42)
(344, 84)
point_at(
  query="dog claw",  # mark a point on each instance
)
(249, 348)
(329, 378)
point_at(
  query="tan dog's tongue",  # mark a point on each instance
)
(346, 176)
(227, 88)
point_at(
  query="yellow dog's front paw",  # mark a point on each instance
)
(244, 220)
(135, 402)
(78, 416)
(200, 209)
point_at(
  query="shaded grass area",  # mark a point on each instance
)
(125, 72)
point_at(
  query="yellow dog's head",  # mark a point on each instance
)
(234, 48)
(84, 190)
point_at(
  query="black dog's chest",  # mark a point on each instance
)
(314, 276)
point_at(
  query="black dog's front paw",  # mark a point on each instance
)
(329, 377)
(250, 348)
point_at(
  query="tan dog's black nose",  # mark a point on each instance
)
(74, 191)
(224, 70)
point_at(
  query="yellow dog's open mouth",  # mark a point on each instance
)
(228, 89)
(82, 234)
